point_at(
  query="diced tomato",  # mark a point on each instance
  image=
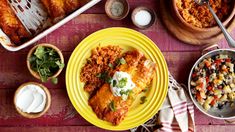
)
(225, 70)
(198, 88)
(198, 96)
(209, 88)
(214, 100)
(218, 62)
(207, 79)
(194, 75)
(201, 85)
(228, 60)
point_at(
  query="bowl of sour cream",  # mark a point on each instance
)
(143, 17)
(32, 100)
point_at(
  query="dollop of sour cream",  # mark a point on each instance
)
(121, 84)
(31, 99)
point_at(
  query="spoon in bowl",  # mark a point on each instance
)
(228, 37)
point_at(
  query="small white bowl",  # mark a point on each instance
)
(152, 13)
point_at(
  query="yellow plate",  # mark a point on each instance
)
(127, 39)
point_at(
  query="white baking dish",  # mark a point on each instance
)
(6, 43)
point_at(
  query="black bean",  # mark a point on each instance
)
(195, 78)
(213, 57)
(225, 102)
(220, 106)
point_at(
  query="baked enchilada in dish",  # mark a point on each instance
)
(122, 81)
(58, 9)
(11, 25)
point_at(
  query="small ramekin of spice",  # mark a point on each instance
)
(143, 17)
(117, 9)
(32, 100)
(45, 62)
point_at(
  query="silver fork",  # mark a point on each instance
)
(31, 13)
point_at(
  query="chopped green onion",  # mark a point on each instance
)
(110, 65)
(125, 92)
(145, 90)
(143, 99)
(112, 106)
(122, 61)
(122, 83)
(98, 75)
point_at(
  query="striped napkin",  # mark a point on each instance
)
(176, 114)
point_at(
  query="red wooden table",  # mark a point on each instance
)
(61, 115)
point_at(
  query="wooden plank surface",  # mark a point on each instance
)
(62, 116)
(54, 129)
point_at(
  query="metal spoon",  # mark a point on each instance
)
(228, 37)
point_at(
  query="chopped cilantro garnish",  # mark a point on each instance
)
(112, 106)
(108, 79)
(54, 80)
(105, 77)
(61, 65)
(40, 51)
(98, 75)
(143, 99)
(102, 75)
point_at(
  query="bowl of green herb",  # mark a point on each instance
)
(45, 62)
